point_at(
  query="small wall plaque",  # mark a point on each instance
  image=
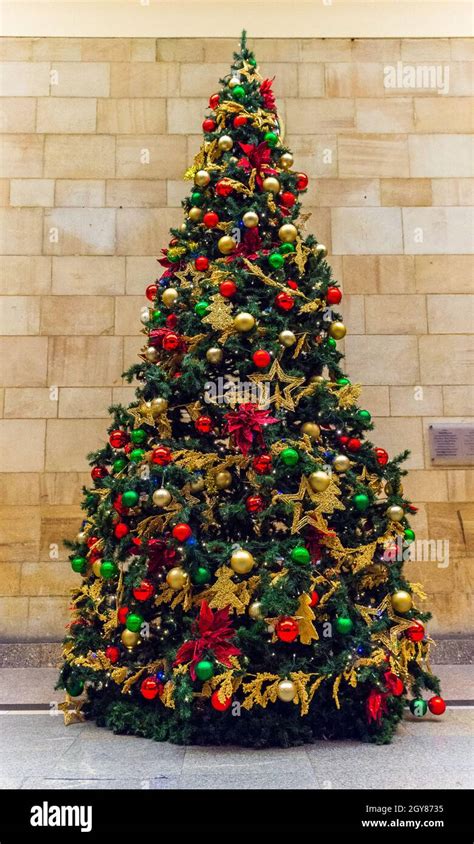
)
(452, 443)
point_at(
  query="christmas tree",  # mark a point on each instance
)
(243, 542)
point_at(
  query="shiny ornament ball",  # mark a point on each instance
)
(214, 100)
(177, 578)
(161, 497)
(337, 330)
(158, 406)
(112, 653)
(314, 599)
(210, 219)
(118, 439)
(401, 601)
(122, 614)
(98, 473)
(302, 181)
(364, 416)
(161, 455)
(320, 251)
(254, 504)
(129, 639)
(271, 185)
(226, 244)
(361, 501)
(271, 138)
(286, 160)
(244, 321)
(261, 358)
(208, 125)
(139, 436)
(171, 342)
(286, 691)
(416, 633)
(119, 464)
(228, 288)
(301, 555)
(255, 611)
(333, 295)
(250, 219)
(354, 444)
(287, 338)
(202, 263)
(287, 233)
(96, 567)
(108, 569)
(311, 430)
(144, 591)
(169, 296)
(214, 355)
(130, 498)
(276, 260)
(197, 198)
(238, 92)
(204, 424)
(284, 301)
(195, 214)
(74, 687)
(197, 485)
(225, 143)
(223, 479)
(262, 464)
(204, 670)
(137, 455)
(418, 707)
(202, 178)
(381, 455)
(151, 291)
(319, 481)
(151, 354)
(287, 629)
(134, 622)
(395, 513)
(289, 456)
(409, 535)
(242, 561)
(344, 625)
(79, 564)
(182, 532)
(239, 120)
(201, 575)
(150, 688)
(436, 705)
(121, 530)
(223, 188)
(287, 199)
(217, 704)
(200, 308)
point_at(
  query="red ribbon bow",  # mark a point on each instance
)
(247, 422)
(215, 634)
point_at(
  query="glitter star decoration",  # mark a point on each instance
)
(279, 398)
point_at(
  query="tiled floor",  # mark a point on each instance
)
(38, 751)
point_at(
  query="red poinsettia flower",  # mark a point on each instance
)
(213, 632)
(268, 96)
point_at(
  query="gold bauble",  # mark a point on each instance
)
(96, 567)
(395, 513)
(250, 219)
(286, 691)
(271, 184)
(242, 561)
(183, 228)
(197, 485)
(225, 143)
(151, 354)
(317, 379)
(129, 639)
(226, 244)
(287, 233)
(341, 463)
(319, 481)
(161, 497)
(195, 214)
(244, 321)
(320, 251)
(169, 296)
(401, 601)
(311, 430)
(202, 178)
(158, 406)
(223, 479)
(81, 536)
(287, 338)
(177, 578)
(337, 330)
(255, 611)
(214, 355)
(286, 161)
(389, 490)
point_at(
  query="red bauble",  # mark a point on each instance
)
(171, 342)
(436, 705)
(381, 455)
(228, 288)
(143, 591)
(223, 188)
(354, 444)
(121, 530)
(91, 540)
(333, 295)
(301, 181)
(112, 653)
(314, 599)
(204, 424)
(254, 504)
(284, 301)
(416, 632)
(343, 439)
(261, 358)
(174, 241)
(150, 688)
(118, 439)
(182, 532)
(287, 199)
(128, 448)
(202, 263)
(171, 321)
(122, 614)
(210, 219)
(99, 472)
(161, 455)
(239, 120)
(151, 291)
(208, 125)
(213, 100)
(216, 703)
(262, 464)
(292, 284)
(287, 629)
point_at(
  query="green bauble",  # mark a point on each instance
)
(108, 569)
(332, 343)
(130, 498)
(290, 456)
(300, 555)
(364, 415)
(418, 707)
(361, 501)
(286, 248)
(172, 257)
(134, 622)
(409, 535)
(204, 670)
(137, 455)
(276, 260)
(78, 564)
(156, 315)
(270, 138)
(139, 436)
(200, 308)
(252, 62)
(343, 382)
(344, 625)
(201, 575)
(74, 686)
(197, 197)
(238, 92)
(119, 464)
